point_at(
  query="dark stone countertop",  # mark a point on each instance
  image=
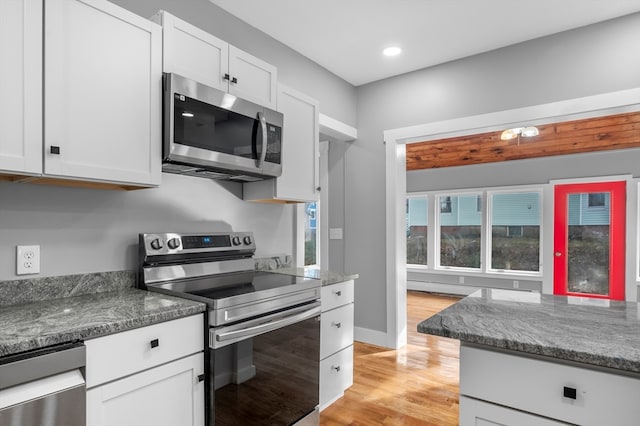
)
(50, 311)
(590, 331)
(327, 277)
(282, 264)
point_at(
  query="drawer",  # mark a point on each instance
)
(479, 413)
(336, 330)
(335, 295)
(336, 375)
(538, 386)
(118, 355)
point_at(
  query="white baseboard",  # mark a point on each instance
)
(372, 337)
(462, 290)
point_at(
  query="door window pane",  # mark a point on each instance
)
(515, 231)
(588, 244)
(460, 231)
(310, 234)
(417, 215)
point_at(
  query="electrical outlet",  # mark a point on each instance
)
(461, 280)
(27, 260)
(516, 284)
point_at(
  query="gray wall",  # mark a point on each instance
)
(337, 97)
(587, 61)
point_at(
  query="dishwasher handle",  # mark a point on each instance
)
(270, 323)
(40, 363)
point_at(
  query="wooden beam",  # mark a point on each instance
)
(620, 131)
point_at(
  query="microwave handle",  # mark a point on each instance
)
(263, 125)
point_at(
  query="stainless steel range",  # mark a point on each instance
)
(264, 328)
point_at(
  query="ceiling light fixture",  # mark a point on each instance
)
(526, 132)
(392, 51)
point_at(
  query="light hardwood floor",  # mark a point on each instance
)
(415, 385)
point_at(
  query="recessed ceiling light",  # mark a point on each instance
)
(392, 51)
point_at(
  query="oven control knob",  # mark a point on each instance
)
(173, 243)
(157, 244)
(247, 240)
(235, 241)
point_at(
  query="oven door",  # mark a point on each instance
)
(212, 129)
(266, 371)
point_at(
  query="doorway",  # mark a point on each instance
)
(589, 240)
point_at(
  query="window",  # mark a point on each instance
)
(417, 215)
(460, 231)
(311, 235)
(597, 199)
(515, 231)
(445, 204)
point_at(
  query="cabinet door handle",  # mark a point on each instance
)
(338, 293)
(569, 392)
(226, 76)
(154, 343)
(234, 80)
(201, 378)
(336, 324)
(54, 149)
(335, 367)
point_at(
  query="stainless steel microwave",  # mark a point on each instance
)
(212, 134)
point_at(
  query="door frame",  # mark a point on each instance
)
(396, 179)
(617, 236)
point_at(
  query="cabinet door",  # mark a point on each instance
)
(193, 53)
(171, 394)
(479, 413)
(300, 146)
(252, 78)
(21, 86)
(103, 74)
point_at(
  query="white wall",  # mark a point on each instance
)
(596, 59)
(87, 230)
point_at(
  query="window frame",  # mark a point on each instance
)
(433, 235)
(489, 235)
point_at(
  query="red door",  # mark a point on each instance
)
(589, 240)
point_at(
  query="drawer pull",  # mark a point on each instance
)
(154, 343)
(338, 292)
(569, 392)
(336, 367)
(336, 324)
(201, 378)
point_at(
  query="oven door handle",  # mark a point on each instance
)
(274, 324)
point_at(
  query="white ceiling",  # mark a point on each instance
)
(347, 36)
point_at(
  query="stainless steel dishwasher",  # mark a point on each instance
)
(44, 387)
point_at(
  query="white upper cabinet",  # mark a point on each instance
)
(21, 86)
(299, 181)
(102, 107)
(198, 55)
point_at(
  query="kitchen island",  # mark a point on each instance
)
(529, 358)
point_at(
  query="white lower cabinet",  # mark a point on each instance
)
(336, 341)
(480, 413)
(171, 394)
(512, 389)
(151, 376)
